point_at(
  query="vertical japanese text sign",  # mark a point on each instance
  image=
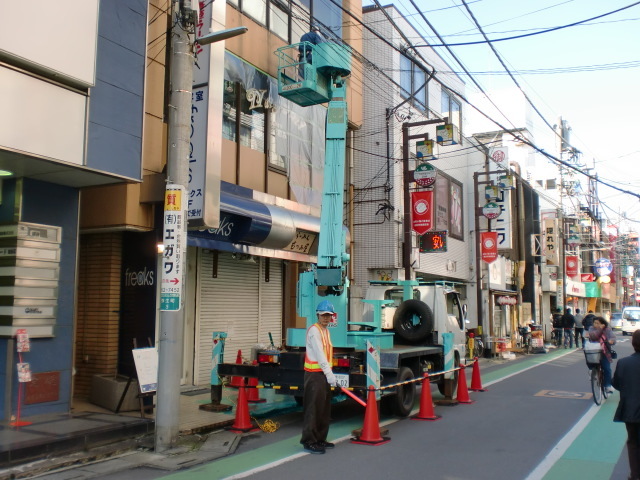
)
(174, 240)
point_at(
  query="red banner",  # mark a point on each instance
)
(422, 211)
(571, 264)
(489, 246)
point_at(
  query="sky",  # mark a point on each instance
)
(589, 74)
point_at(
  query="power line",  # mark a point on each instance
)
(514, 37)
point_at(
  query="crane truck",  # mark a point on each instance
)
(404, 320)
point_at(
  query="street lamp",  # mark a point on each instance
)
(221, 35)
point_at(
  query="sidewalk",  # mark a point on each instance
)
(90, 433)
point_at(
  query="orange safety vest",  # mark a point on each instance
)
(312, 365)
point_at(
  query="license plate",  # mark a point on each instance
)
(343, 379)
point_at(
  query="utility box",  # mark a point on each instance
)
(106, 391)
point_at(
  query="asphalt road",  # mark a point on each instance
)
(536, 421)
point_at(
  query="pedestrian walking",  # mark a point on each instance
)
(625, 379)
(556, 320)
(601, 332)
(568, 325)
(579, 328)
(318, 380)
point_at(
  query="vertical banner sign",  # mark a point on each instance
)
(551, 240)
(373, 366)
(422, 211)
(489, 246)
(174, 239)
(572, 266)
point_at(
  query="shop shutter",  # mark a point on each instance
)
(238, 302)
(271, 299)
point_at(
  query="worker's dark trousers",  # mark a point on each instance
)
(633, 449)
(317, 408)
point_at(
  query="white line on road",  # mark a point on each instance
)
(561, 447)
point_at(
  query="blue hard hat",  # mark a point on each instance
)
(325, 306)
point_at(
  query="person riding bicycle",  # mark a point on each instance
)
(601, 332)
(568, 324)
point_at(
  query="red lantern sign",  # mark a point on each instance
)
(422, 211)
(572, 265)
(489, 246)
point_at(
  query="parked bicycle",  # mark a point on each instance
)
(593, 354)
(475, 347)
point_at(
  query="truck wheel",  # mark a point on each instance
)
(405, 395)
(413, 321)
(441, 387)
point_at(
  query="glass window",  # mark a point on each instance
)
(279, 21)
(419, 88)
(233, 2)
(276, 136)
(405, 76)
(229, 111)
(256, 9)
(329, 15)
(452, 108)
(252, 120)
(300, 22)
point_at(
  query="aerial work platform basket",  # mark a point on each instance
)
(305, 71)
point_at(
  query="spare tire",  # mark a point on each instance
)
(413, 321)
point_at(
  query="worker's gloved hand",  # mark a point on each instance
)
(331, 380)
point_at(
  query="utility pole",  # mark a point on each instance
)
(170, 341)
(184, 16)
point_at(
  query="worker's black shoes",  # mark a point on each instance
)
(326, 444)
(313, 448)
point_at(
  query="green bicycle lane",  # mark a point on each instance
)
(579, 460)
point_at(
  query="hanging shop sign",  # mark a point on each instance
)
(447, 134)
(489, 246)
(587, 277)
(425, 175)
(491, 192)
(506, 300)
(424, 150)
(491, 210)
(499, 155)
(422, 211)
(603, 267)
(506, 181)
(551, 240)
(572, 265)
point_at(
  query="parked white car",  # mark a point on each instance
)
(630, 320)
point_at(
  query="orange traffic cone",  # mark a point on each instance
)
(237, 381)
(371, 429)
(253, 395)
(426, 403)
(463, 392)
(476, 383)
(242, 423)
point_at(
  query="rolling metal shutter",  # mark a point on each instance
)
(238, 302)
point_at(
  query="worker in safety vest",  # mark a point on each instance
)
(318, 380)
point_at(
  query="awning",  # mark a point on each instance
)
(246, 223)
